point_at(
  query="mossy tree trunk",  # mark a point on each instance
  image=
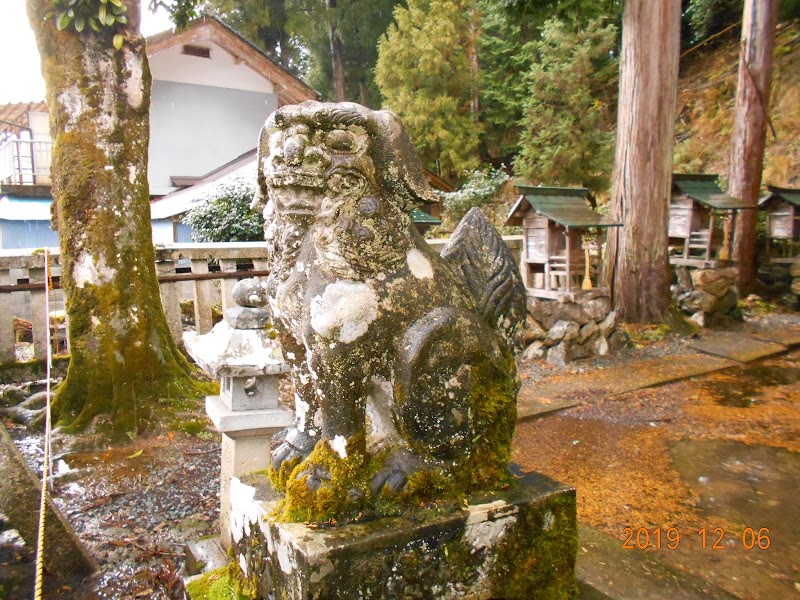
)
(637, 264)
(122, 355)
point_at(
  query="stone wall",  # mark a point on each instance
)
(562, 331)
(707, 296)
(794, 271)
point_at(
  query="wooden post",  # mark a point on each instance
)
(710, 233)
(751, 113)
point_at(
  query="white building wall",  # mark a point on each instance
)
(195, 129)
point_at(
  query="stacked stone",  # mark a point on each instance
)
(794, 271)
(562, 331)
(707, 296)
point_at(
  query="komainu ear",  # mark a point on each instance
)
(397, 162)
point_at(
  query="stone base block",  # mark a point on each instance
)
(521, 543)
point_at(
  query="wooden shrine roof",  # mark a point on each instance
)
(776, 194)
(569, 207)
(704, 189)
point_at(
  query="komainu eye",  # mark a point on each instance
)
(341, 140)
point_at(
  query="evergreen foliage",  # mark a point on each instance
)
(266, 23)
(480, 187)
(504, 56)
(425, 75)
(568, 126)
(225, 215)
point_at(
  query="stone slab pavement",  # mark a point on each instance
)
(736, 346)
(564, 391)
(606, 571)
(715, 351)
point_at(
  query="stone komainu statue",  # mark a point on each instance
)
(404, 377)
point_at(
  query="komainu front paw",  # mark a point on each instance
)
(287, 453)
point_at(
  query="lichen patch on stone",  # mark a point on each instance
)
(339, 445)
(348, 306)
(419, 265)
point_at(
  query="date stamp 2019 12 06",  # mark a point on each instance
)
(670, 538)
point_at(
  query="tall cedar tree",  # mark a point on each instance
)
(122, 356)
(637, 267)
(750, 128)
(426, 76)
(568, 128)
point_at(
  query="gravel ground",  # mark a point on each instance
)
(135, 507)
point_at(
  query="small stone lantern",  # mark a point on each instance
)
(241, 352)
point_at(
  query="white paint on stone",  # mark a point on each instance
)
(245, 510)
(86, 271)
(549, 520)
(348, 306)
(301, 408)
(284, 558)
(339, 445)
(131, 174)
(419, 265)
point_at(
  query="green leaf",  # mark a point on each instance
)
(101, 14)
(110, 19)
(94, 25)
(135, 454)
(119, 39)
(122, 19)
(79, 24)
(63, 21)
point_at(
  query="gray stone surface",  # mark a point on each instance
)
(515, 544)
(736, 346)
(370, 319)
(245, 317)
(65, 557)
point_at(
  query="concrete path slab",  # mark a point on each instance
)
(606, 571)
(564, 391)
(736, 346)
(789, 336)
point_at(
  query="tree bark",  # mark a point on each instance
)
(337, 63)
(637, 264)
(122, 354)
(749, 129)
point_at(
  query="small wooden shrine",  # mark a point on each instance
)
(423, 220)
(698, 210)
(556, 260)
(782, 208)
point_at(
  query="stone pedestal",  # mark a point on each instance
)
(516, 544)
(246, 437)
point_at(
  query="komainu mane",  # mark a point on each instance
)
(401, 361)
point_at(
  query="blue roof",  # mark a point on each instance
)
(16, 208)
